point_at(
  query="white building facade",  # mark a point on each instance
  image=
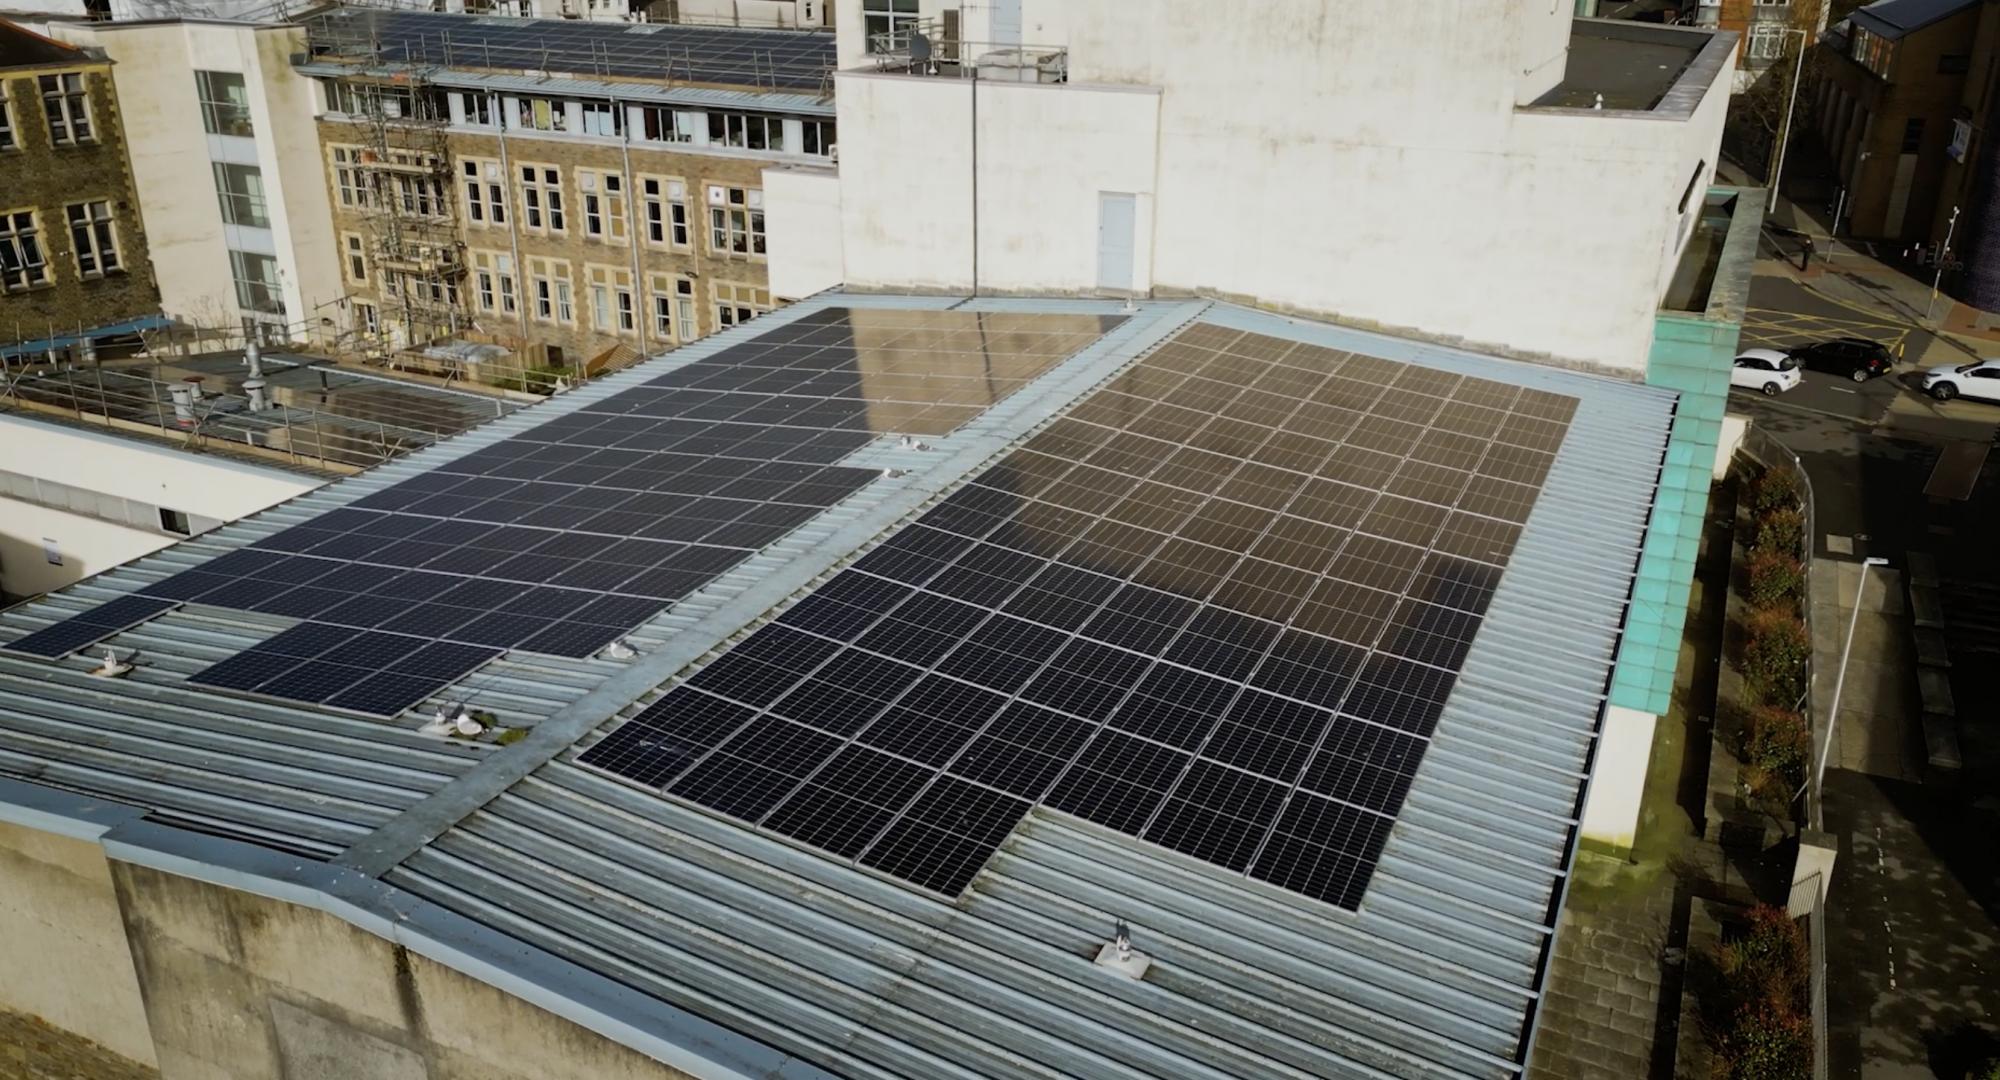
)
(225, 157)
(1444, 170)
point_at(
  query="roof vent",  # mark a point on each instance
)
(112, 666)
(1118, 955)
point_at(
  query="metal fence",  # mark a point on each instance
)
(1760, 447)
(1809, 897)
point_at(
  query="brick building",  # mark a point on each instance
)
(73, 258)
(612, 199)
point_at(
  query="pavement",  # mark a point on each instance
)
(1914, 909)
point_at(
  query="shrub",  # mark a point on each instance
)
(1777, 489)
(1765, 1043)
(1765, 1034)
(1988, 1071)
(1777, 580)
(1776, 747)
(1775, 651)
(1782, 531)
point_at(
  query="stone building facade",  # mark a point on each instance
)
(73, 256)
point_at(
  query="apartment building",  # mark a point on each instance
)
(611, 199)
(759, 14)
(1770, 28)
(74, 265)
(225, 155)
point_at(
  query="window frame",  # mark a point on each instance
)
(544, 214)
(29, 251)
(883, 22)
(593, 113)
(485, 198)
(730, 218)
(551, 292)
(9, 137)
(605, 210)
(61, 99)
(254, 202)
(354, 258)
(212, 105)
(97, 233)
(239, 262)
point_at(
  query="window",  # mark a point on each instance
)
(357, 258)
(738, 304)
(1768, 42)
(549, 279)
(67, 107)
(735, 221)
(603, 118)
(7, 141)
(367, 318)
(668, 126)
(477, 109)
(485, 197)
(1913, 135)
(347, 183)
(493, 283)
(1872, 51)
(225, 103)
(817, 136)
(541, 198)
(673, 306)
(93, 238)
(612, 310)
(888, 23)
(603, 205)
(420, 193)
(175, 521)
(240, 189)
(257, 286)
(746, 131)
(666, 209)
(21, 262)
(544, 114)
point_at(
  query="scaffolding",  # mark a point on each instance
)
(410, 212)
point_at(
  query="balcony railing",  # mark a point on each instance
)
(927, 49)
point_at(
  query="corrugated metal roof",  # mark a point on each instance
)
(1437, 974)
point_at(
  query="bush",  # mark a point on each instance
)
(1782, 531)
(1776, 748)
(1988, 1071)
(1777, 489)
(1775, 651)
(1766, 1034)
(1777, 580)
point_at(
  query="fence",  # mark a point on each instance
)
(1768, 452)
(1809, 897)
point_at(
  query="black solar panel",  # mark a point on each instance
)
(91, 627)
(565, 537)
(1219, 606)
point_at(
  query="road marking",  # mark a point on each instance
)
(1842, 390)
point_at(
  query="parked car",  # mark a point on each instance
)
(1979, 379)
(1765, 370)
(1852, 358)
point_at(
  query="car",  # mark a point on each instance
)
(1853, 358)
(1765, 370)
(1979, 380)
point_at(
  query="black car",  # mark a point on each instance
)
(1854, 358)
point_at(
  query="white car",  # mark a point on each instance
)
(1979, 379)
(1765, 370)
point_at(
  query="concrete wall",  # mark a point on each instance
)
(802, 213)
(1618, 780)
(1361, 162)
(66, 960)
(86, 546)
(241, 987)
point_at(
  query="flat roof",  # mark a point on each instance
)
(1637, 67)
(1488, 673)
(773, 60)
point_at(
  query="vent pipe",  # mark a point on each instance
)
(254, 390)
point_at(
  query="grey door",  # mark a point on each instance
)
(1116, 215)
(1006, 24)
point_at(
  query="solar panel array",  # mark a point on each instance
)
(89, 628)
(1219, 606)
(565, 537)
(767, 59)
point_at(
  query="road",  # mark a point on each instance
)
(1914, 915)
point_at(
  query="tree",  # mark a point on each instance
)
(1770, 49)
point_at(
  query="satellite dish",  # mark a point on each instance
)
(920, 47)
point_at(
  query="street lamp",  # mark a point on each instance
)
(1840, 680)
(1943, 254)
(1785, 133)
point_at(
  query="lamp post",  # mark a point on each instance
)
(1944, 253)
(1840, 680)
(1785, 133)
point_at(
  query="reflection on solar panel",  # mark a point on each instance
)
(767, 59)
(1219, 606)
(563, 538)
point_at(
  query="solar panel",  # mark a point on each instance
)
(1219, 606)
(565, 537)
(91, 627)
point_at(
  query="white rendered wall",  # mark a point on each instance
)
(131, 468)
(802, 221)
(171, 160)
(86, 546)
(1366, 162)
(1618, 778)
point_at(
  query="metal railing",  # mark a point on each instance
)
(1761, 447)
(1809, 896)
(927, 48)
